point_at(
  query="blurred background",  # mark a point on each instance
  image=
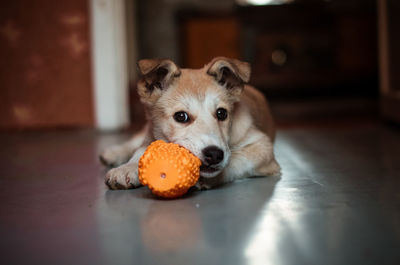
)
(72, 63)
(330, 69)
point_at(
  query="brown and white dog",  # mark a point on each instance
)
(211, 112)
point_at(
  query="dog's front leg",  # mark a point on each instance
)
(126, 175)
(254, 158)
(118, 154)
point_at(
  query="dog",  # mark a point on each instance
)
(211, 111)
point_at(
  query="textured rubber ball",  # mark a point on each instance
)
(168, 169)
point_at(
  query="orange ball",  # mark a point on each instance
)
(168, 169)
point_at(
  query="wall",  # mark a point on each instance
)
(45, 73)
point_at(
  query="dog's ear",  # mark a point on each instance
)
(157, 75)
(230, 73)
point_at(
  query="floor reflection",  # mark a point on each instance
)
(167, 228)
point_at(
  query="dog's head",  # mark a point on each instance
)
(194, 107)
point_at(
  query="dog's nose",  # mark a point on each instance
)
(212, 155)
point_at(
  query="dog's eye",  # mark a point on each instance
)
(222, 114)
(181, 116)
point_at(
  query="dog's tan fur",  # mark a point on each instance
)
(246, 136)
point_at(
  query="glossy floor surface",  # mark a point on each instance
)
(337, 202)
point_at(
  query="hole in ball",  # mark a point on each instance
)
(162, 175)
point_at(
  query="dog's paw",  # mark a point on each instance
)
(123, 177)
(113, 156)
(209, 183)
(200, 185)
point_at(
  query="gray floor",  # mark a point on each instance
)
(337, 202)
